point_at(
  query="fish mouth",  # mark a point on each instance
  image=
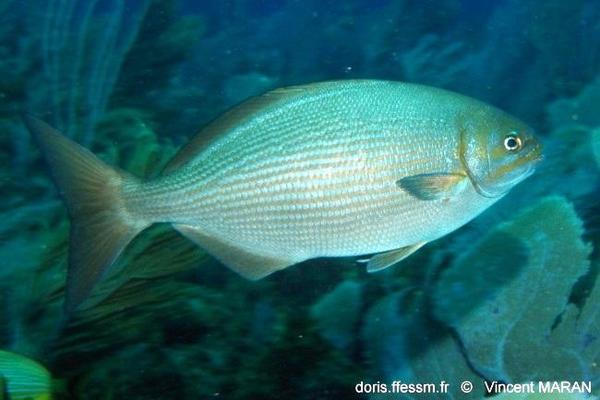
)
(535, 153)
(526, 164)
(533, 157)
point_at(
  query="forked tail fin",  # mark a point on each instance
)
(101, 226)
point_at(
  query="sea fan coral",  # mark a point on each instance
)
(519, 325)
(337, 313)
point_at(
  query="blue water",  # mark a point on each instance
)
(510, 297)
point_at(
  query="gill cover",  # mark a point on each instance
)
(492, 168)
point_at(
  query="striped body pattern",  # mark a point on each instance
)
(24, 379)
(329, 169)
(314, 173)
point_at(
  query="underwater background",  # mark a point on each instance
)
(513, 296)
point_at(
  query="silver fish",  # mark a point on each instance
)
(329, 169)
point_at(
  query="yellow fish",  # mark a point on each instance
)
(23, 379)
(330, 169)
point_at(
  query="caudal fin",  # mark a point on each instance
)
(101, 226)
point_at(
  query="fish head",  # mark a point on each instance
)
(497, 150)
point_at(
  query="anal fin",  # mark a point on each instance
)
(383, 260)
(246, 263)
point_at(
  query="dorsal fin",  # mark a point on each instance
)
(234, 117)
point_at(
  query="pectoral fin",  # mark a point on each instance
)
(434, 186)
(389, 258)
(246, 263)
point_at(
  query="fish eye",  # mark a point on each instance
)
(512, 142)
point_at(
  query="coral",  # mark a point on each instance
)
(295, 351)
(337, 313)
(163, 42)
(19, 88)
(441, 361)
(579, 330)
(580, 110)
(139, 151)
(155, 376)
(595, 139)
(579, 59)
(507, 298)
(399, 349)
(575, 134)
(433, 62)
(384, 334)
(83, 46)
(568, 153)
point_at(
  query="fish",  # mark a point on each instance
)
(328, 169)
(23, 379)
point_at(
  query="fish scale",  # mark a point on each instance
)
(329, 169)
(324, 132)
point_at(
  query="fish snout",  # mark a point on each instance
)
(536, 153)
